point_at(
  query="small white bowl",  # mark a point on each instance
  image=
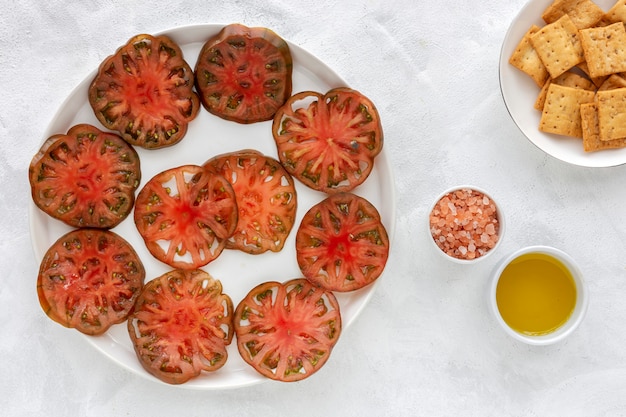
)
(577, 315)
(500, 233)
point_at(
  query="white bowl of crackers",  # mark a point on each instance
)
(465, 224)
(563, 79)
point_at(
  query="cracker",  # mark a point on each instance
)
(525, 59)
(558, 46)
(612, 113)
(612, 82)
(567, 79)
(584, 13)
(591, 130)
(617, 13)
(604, 49)
(596, 80)
(561, 111)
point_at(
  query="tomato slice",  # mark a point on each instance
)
(89, 280)
(244, 74)
(185, 215)
(181, 325)
(329, 141)
(266, 199)
(341, 243)
(145, 92)
(286, 331)
(85, 178)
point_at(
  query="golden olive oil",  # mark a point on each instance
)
(536, 294)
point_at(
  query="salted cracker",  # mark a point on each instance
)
(561, 111)
(591, 130)
(605, 49)
(567, 79)
(558, 46)
(617, 13)
(612, 113)
(525, 58)
(612, 82)
(584, 13)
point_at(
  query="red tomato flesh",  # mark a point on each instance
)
(145, 92)
(85, 178)
(328, 142)
(89, 280)
(181, 325)
(286, 331)
(266, 199)
(185, 215)
(244, 74)
(341, 243)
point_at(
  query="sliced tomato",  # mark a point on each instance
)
(244, 74)
(89, 280)
(341, 243)
(266, 199)
(85, 178)
(286, 331)
(329, 141)
(145, 92)
(185, 215)
(181, 325)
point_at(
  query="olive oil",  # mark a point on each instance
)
(536, 294)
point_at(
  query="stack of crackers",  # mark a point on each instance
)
(578, 59)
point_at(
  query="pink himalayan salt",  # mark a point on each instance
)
(464, 224)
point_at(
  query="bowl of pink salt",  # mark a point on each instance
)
(465, 224)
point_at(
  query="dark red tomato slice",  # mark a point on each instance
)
(328, 141)
(85, 178)
(89, 280)
(266, 199)
(341, 243)
(244, 74)
(181, 325)
(286, 331)
(145, 92)
(185, 215)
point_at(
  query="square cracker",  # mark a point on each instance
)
(605, 49)
(558, 46)
(591, 130)
(617, 13)
(525, 59)
(584, 13)
(612, 113)
(612, 82)
(567, 79)
(597, 80)
(561, 111)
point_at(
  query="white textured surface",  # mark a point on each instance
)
(425, 344)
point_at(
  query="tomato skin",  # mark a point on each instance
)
(244, 74)
(89, 280)
(145, 92)
(329, 141)
(341, 243)
(190, 209)
(85, 178)
(266, 199)
(286, 331)
(181, 325)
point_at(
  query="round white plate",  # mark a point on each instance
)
(207, 136)
(520, 92)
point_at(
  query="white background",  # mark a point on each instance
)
(425, 344)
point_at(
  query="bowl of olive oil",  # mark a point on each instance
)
(537, 294)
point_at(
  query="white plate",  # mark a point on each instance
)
(520, 92)
(207, 136)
